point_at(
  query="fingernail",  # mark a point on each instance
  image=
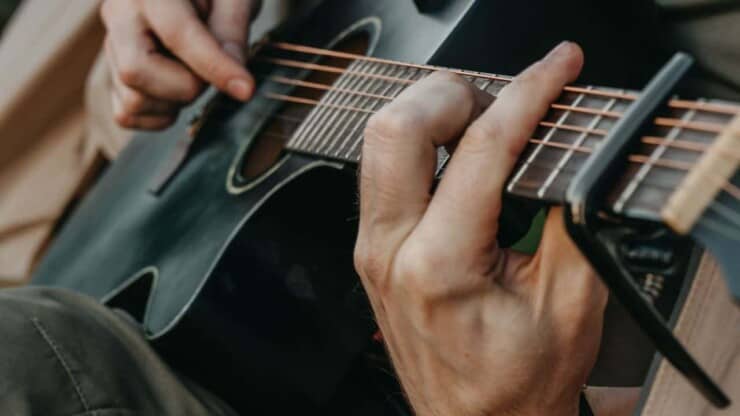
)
(559, 51)
(239, 89)
(235, 51)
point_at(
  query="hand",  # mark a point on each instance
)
(163, 52)
(472, 329)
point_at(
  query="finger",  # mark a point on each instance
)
(139, 122)
(399, 156)
(138, 104)
(566, 277)
(177, 25)
(133, 54)
(468, 199)
(229, 23)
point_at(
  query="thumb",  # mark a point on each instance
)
(229, 24)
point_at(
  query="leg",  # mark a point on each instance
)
(65, 354)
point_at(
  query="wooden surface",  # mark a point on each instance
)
(709, 325)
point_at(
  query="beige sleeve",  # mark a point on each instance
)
(45, 55)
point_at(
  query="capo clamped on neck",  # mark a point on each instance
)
(587, 226)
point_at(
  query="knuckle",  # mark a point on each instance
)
(123, 119)
(481, 135)
(192, 91)
(487, 133)
(173, 36)
(393, 123)
(457, 89)
(417, 268)
(369, 264)
(130, 71)
(446, 77)
(132, 102)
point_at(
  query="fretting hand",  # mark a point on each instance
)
(472, 329)
(162, 54)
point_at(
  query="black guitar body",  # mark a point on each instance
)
(247, 285)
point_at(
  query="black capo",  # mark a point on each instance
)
(584, 203)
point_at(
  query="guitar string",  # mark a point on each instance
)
(674, 103)
(652, 140)
(727, 186)
(730, 188)
(326, 87)
(661, 121)
(715, 206)
(536, 163)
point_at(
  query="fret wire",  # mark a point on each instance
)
(310, 102)
(333, 98)
(295, 137)
(375, 84)
(325, 68)
(699, 126)
(637, 159)
(325, 87)
(523, 168)
(348, 142)
(666, 163)
(329, 125)
(675, 103)
(340, 129)
(485, 85)
(357, 129)
(354, 152)
(533, 185)
(313, 117)
(674, 164)
(569, 153)
(411, 74)
(656, 154)
(346, 55)
(300, 133)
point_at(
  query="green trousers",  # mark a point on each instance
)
(63, 354)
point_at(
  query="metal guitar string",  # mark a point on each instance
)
(730, 188)
(723, 109)
(651, 140)
(674, 103)
(661, 121)
(716, 206)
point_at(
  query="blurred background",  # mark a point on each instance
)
(6, 9)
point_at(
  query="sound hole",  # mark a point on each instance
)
(267, 147)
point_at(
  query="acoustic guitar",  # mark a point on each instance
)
(229, 237)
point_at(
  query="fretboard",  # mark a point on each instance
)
(574, 126)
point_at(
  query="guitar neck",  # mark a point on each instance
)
(575, 125)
